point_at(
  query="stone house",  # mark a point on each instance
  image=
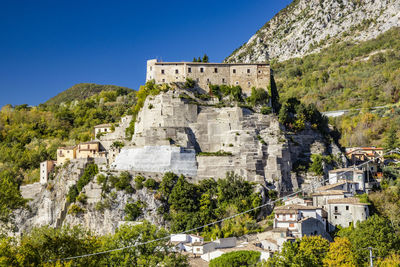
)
(346, 211)
(320, 199)
(343, 185)
(45, 168)
(102, 128)
(358, 155)
(90, 149)
(297, 200)
(200, 248)
(349, 174)
(245, 75)
(65, 153)
(285, 215)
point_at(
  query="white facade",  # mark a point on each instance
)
(346, 211)
(349, 174)
(45, 168)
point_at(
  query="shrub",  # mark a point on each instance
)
(151, 184)
(75, 209)
(139, 182)
(133, 210)
(124, 182)
(190, 83)
(266, 110)
(101, 178)
(72, 194)
(82, 198)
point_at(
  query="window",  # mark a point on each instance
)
(347, 207)
(335, 217)
(237, 83)
(151, 68)
(198, 249)
(208, 80)
(349, 223)
(163, 80)
(189, 70)
(234, 71)
(291, 224)
(162, 72)
(291, 215)
(176, 71)
(259, 71)
(248, 70)
(336, 209)
(176, 77)
(223, 80)
(201, 70)
(216, 70)
(248, 84)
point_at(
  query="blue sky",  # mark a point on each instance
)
(48, 46)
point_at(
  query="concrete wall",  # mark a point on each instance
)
(159, 159)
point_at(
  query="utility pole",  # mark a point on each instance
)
(371, 261)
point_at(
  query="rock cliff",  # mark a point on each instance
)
(305, 26)
(179, 133)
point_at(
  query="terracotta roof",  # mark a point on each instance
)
(103, 125)
(329, 192)
(348, 200)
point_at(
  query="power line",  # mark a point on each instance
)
(209, 224)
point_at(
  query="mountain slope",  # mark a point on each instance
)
(305, 26)
(81, 91)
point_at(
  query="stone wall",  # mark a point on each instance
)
(244, 75)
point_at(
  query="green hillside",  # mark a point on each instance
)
(84, 90)
(345, 76)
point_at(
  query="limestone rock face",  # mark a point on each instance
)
(171, 129)
(305, 26)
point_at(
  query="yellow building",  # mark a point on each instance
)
(65, 153)
(89, 150)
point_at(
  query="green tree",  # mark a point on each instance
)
(237, 259)
(376, 232)
(340, 253)
(309, 251)
(205, 58)
(391, 141)
(156, 253)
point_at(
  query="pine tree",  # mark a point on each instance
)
(205, 58)
(391, 140)
(194, 59)
(199, 59)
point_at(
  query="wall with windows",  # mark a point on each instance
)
(244, 75)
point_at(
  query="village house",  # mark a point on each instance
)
(301, 220)
(45, 168)
(358, 155)
(342, 185)
(90, 149)
(65, 154)
(245, 75)
(346, 211)
(298, 200)
(102, 128)
(348, 174)
(320, 199)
